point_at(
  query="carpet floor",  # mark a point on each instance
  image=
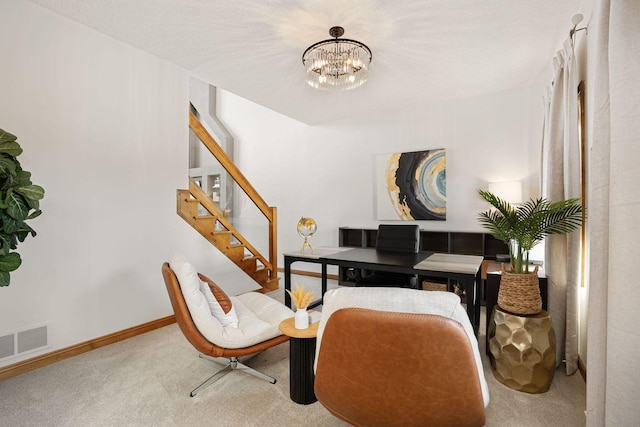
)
(146, 380)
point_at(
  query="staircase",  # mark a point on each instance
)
(205, 216)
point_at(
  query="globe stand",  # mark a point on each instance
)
(306, 227)
(306, 244)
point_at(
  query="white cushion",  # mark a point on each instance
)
(259, 316)
(403, 300)
(226, 319)
(266, 308)
(199, 309)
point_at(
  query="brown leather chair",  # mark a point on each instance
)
(228, 356)
(379, 368)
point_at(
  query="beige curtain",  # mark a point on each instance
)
(561, 180)
(614, 205)
(598, 222)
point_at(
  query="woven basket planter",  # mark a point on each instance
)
(520, 293)
(433, 286)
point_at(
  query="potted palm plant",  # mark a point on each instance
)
(522, 227)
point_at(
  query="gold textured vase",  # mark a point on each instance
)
(522, 350)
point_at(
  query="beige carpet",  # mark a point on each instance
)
(146, 380)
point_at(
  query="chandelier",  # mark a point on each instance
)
(336, 64)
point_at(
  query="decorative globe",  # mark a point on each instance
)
(306, 227)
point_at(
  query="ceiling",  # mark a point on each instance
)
(424, 51)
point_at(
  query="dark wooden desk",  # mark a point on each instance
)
(291, 257)
(373, 259)
(465, 269)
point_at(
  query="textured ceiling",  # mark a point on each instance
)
(423, 50)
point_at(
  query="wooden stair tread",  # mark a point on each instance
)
(198, 210)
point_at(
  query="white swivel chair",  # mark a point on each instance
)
(254, 326)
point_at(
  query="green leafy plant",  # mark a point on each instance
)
(523, 226)
(19, 202)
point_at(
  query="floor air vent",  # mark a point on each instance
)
(24, 341)
(7, 346)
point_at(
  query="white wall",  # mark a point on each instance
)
(327, 172)
(104, 129)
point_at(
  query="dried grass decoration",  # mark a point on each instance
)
(301, 297)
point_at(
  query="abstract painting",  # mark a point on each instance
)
(412, 185)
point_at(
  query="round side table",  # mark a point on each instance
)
(302, 353)
(522, 350)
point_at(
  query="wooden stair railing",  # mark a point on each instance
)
(217, 229)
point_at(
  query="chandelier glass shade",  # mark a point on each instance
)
(336, 64)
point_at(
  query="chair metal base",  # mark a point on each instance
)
(230, 364)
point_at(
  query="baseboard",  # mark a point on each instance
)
(310, 274)
(65, 353)
(582, 368)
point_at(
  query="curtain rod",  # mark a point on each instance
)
(575, 20)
